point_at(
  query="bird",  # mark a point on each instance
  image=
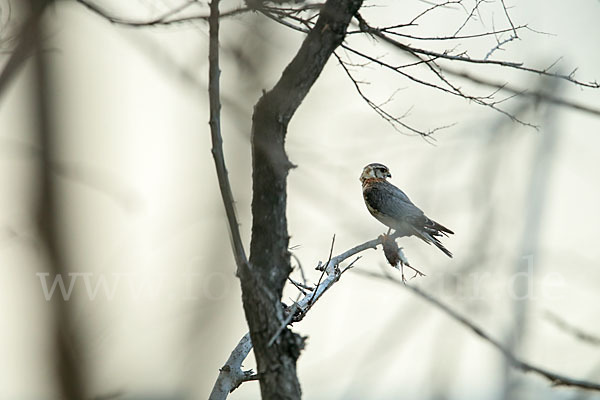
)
(392, 207)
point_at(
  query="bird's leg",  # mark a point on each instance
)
(402, 271)
(403, 262)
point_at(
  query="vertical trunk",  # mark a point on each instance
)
(263, 278)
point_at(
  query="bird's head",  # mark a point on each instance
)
(375, 171)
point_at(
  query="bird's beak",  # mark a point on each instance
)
(389, 175)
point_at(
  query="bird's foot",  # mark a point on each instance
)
(403, 262)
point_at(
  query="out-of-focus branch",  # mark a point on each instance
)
(26, 41)
(165, 19)
(80, 173)
(214, 95)
(69, 369)
(556, 379)
(571, 329)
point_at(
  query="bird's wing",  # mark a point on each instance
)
(413, 214)
(393, 204)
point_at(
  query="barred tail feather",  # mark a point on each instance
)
(429, 238)
(440, 246)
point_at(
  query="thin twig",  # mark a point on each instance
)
(509, 19)
(284, 324)
(453, 37)
(300, 285)
(365, 27)
(324, 269)
(535, 94)
(295, 257)
(297, 285)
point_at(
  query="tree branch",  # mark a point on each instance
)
(571, 329)
(554, 378)
(25, 45)
(365, 27)
(535, 94)
(162, 20)
(231, 376)
(214, 95)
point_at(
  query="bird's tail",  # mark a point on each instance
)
(440, 246)
(427, 238)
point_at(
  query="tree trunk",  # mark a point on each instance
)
(263, 278)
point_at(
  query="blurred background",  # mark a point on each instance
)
(148, 271)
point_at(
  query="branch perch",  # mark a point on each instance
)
(232, 380)
(231, 376)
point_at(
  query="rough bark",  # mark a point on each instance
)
(263, 279)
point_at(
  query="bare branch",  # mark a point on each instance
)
(365, 27)
(535, 94)
(217, 140)
(392, 120)
(301, 287)
(471, 14)
(444, 38)
(453, 90)
(324, 269)
(433, 7)
(428, 59)
(571, 329)
(162, 20)
(25, 46)
(333, 273)
(556, 379)
(499, 45)
(231, 374)
(284, 324)
(509, 20)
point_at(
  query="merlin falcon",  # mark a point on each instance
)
(392, 207)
